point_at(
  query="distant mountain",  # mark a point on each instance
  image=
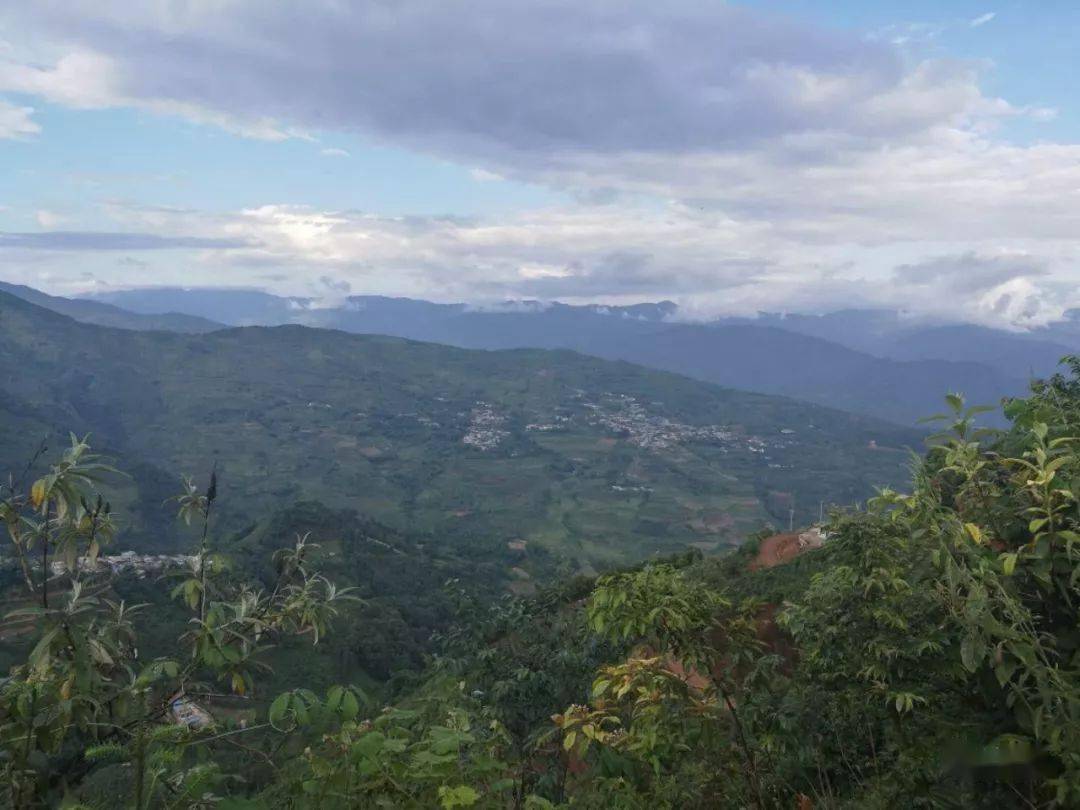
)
(1067, 330)
(902, 375)
(230, 307)
(871, 331)
(1015, 354)
(886, 333)
(257, 308)
(104, 314)
(580, 458)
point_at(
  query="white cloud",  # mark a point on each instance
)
(17, 122)
(334, 151)
(87, 79)
(81, 79)
(620, 253)
(983, 19)
(587, 74)
(484, 176)
(48, 219)
(723, 157)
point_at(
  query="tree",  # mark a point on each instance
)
(83, 700)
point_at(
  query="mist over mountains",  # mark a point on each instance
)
(878, 362)
(875, 362)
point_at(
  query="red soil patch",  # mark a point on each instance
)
(781, 548)
(776, 550)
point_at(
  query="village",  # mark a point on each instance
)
(624, 415)
(485, 427)
(127, 562)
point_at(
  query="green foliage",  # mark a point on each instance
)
(442, 752)
(926, 656)
(1003, 532)
(84, 702)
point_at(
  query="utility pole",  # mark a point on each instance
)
(791, 514)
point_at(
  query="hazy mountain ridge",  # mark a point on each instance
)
(875, 362)
(105, 314)
(886, 333)
(872, 362)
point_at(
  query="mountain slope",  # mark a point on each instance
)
(770, 355)
(778, 362)
(588, 460)
(1019, 355)
(886, 333)
(102, 314)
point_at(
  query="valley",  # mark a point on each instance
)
(589, 461)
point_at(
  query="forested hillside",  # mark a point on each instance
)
(539, 405)
(590, 461)
(102, 314)
(872, 363)
(923, 655)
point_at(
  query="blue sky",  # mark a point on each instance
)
(1031, 47)
(779, 154)
(81, 155)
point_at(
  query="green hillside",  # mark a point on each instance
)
(921, 652)
(103, 314)
(350, 652)
(595, 461)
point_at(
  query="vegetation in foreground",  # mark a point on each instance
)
(926, 656)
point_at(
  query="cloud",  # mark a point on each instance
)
(484, 176)
(47, 219)
(330, 293)
(712, 105)
(86, 79)
(16, 122)
(109, 240)
(81, 79)
(1016, 289)
(577, 75)
(729, 158)
(907, 33)
(619, 253)
(982, 19)
(334, 152)
(971, 271)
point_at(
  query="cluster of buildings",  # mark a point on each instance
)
(629, 417)
(559, 423)
(625, 415)
(486, 427)
(127, 562)
(185, 712)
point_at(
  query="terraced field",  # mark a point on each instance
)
(590, 462)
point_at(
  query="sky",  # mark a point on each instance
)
(778, 155)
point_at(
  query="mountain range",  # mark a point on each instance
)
(874, 362)
(104, 314)
(528, 455)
